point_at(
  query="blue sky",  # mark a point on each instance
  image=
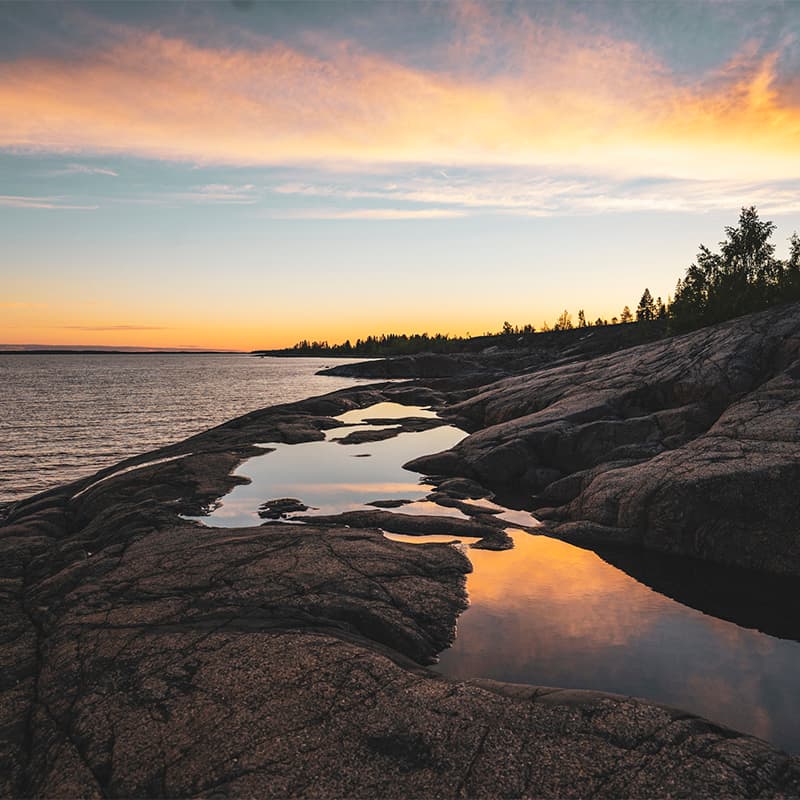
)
(210, 175)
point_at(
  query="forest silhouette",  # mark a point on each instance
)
(742, 277)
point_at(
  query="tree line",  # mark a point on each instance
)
(742, 277)
(386, 344)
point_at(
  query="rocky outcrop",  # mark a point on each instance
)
(690, 445)
(280, 507)
(147, 656)
(389, 428)
(488, 358)
(489, 530)
(423, 365)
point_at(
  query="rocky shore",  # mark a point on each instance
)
(688, 445)
(145, 655)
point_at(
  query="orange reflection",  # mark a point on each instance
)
(547, 613)
(544, 567)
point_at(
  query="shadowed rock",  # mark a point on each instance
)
(412, 524)
(462, 488)
(690, 445)
(405, 425)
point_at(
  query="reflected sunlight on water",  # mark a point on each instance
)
(551, 614)
(327, 478)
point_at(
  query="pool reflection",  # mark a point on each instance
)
(551, 614)
(548, 613)
(327, 478)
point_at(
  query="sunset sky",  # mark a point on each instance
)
(243, 175)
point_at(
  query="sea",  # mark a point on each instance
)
(64, 416)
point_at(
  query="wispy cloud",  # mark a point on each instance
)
(18, 201)
(517, 192)
(212, 193)
(83, 169)
(113, 328)
(473, 190)
(565, 99)
(368, 213)
(245, 193)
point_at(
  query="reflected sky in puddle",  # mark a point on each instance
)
(551, 614)
(428, 507)
(431, 539)
(331, 477)
(509, 515)
(544, 613)
(388, 411)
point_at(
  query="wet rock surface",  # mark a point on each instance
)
(147, 656)
(490, 531)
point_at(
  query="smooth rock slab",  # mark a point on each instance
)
(241, 713)
(690, 445)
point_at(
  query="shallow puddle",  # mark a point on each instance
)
(430, 539)
(548, 613)
(331, 478)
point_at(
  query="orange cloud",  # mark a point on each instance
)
(563, 100)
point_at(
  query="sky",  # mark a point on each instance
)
(244, 175)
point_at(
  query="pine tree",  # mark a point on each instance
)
(564, 322)
(646, 310)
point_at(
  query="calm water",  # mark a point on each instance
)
(66, 416)
(337, 477)
(551, 614)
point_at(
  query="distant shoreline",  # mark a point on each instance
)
(68, 352)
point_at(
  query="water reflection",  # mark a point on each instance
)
(385, 411)
(430, 539)
(326, 477)
(551, 614)
(748, 598)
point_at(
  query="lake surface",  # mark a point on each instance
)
(65, 416)
(548, 613)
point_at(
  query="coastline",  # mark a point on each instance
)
(151, 656)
